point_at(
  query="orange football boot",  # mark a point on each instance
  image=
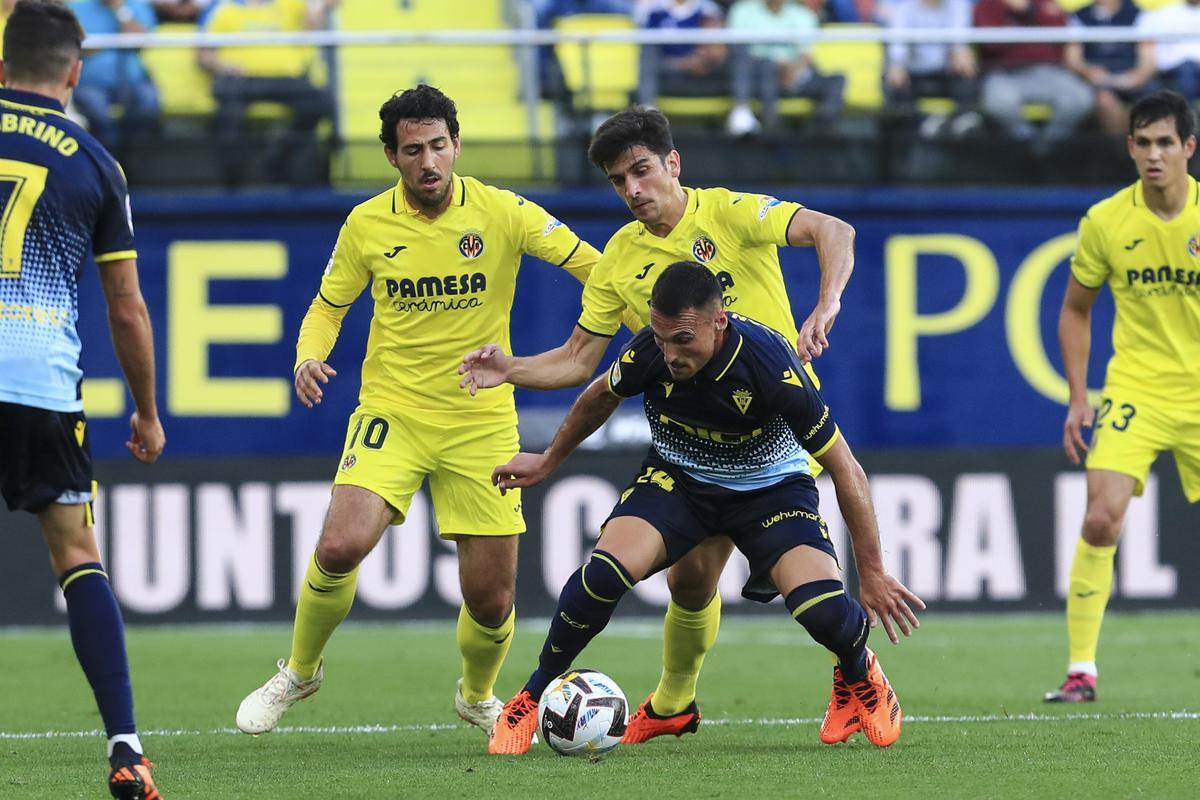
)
(841, 717)
(133, 782)
(516, 726)
(878, 708)
(644, 725)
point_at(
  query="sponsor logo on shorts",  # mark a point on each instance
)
(792, 514)
(471, 244)
(349, 461)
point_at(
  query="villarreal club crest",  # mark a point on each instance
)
(471, 244)
(703, 249)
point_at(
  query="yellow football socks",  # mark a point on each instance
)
(1087, 597)
(325, 600)
(483, 650)
(687, 638)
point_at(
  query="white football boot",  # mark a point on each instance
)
(483, 714)
(265, 706)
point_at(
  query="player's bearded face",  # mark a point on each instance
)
(1160, 156)
(689, 340)
(425, 155)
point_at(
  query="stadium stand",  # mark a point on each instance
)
(484, 80)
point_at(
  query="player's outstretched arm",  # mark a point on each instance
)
(133, 341)
(834, 240)
(569, 364)
(885, 598)
(309, 377)
(1075, 339)
(594, 406)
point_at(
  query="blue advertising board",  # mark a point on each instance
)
(946, 336)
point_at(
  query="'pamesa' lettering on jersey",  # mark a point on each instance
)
(711, 435)
(428, 293)
(726, 281)
(1163, 274)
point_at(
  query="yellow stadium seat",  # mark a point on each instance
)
(601, 75)
(860, 62)
(483, 80)
(183, 88)
(420, 15)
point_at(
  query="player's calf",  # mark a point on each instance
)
(585, 605)
(836, 621)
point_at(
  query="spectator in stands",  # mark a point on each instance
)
(546, 11)
(1178, 62)
(932, 69)
(681, 69)
(1119, 72)
(785, 68)
(243, 75)
(1016, 74)
(842, 10)
(184, 10)
(116, 78)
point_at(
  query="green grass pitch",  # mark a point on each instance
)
(383, 725)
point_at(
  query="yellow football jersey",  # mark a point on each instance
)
(1152, 267)
(441, 288)
(734, 234)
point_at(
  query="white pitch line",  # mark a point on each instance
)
(384, 729)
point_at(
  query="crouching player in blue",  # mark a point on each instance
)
(733, 418)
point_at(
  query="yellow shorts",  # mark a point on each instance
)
(1130, 433)
(390, 454)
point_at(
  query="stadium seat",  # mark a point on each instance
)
(483, 80)
(860, 62)
(599, 76)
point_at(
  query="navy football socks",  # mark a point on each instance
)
(98, 635)
(835, 620)
(585, 606)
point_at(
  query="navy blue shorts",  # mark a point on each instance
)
(45, 457)
(763, 523)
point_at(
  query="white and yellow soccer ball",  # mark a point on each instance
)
(582, 713)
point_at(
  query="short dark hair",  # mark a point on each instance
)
(684, 285)
(42, 41)
(634, 126)
(421, 102)
(1163, 104)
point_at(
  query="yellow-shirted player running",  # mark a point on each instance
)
(737, 236)
(439, 254)
(1144, 242)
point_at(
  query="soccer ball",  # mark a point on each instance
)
(582, 713)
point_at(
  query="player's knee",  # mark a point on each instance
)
(692, 587)
(338, 554)
(1102, 525)
(605, 578)
(832, 618)
(489, 606)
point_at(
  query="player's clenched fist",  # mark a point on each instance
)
(484, 368)
(309, 377)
